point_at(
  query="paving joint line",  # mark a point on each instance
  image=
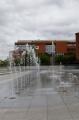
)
(66, 106)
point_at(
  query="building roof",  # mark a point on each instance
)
(24, 42)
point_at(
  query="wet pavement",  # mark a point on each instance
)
(49, 94)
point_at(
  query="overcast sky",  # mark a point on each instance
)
(36, 19)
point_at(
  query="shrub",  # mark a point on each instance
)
(4, 63)
(65, 59)
(45, 59)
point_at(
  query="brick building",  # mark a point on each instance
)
(40, 46)
(57, 46)
(51, 47)
(77, 46)
(65, 47)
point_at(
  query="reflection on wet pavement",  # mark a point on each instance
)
(46, 94)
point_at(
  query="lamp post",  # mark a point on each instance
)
(53, 52)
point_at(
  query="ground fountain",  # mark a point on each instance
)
(25, 78)
(65, 80)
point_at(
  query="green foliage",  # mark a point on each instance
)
(17, 61)
(4, 63)
(59, 59)
(69, 59)
(65, 59)
(45, 59)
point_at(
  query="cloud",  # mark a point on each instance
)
(36, 19)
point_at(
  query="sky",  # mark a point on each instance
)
(37, 19)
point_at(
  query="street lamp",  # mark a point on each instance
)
(53, 52)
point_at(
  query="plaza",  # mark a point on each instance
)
(50, 93)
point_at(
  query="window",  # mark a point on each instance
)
(50, 49)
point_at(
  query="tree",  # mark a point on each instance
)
(65, 59)
(69, 59)
(4, 63)
(17, 61)
(45, 59)
(58, 59)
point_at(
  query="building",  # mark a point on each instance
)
(58, 47)
(49, 47)
(65, 47)
(77, 46)
(40, 46)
